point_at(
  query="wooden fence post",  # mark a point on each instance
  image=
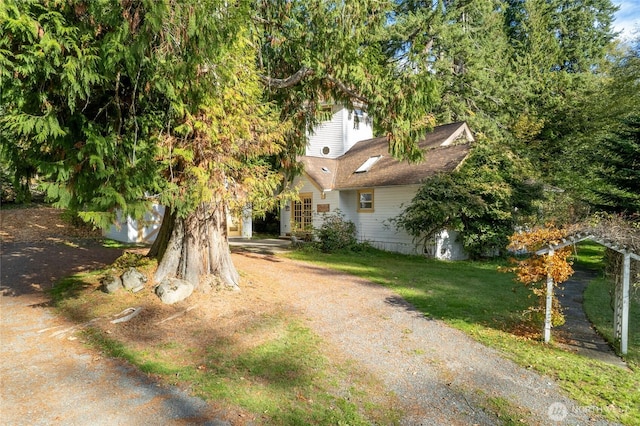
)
(549, 300)
(626, 278)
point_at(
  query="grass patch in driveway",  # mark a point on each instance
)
(258, 362)
(487, 305)
(286, 380)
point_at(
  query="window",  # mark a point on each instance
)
(365, 200)
(302, 214)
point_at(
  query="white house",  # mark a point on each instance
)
(129, 230)
(346, 169)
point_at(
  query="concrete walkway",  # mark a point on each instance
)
(264, 246)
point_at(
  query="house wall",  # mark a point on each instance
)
(374, 227)
(339, 134)
(331, 198)
(327, 134)
(355, 132)
(128, 230)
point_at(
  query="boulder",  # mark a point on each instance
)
(173, 290)
(111, 283)
(133, 280)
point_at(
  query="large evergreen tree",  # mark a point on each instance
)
(560, 55)
(621, 167)
(616, 153)
(196, 104)
(119, 101)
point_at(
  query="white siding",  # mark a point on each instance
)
(356, 132)
(375, 228)
(328, 134)
(339, 134)
(447, 248)
(128, 230)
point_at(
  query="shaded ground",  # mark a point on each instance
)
(438, 375)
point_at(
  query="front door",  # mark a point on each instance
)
(302, 214)
(234, 226)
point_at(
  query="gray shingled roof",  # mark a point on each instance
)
(339, 173)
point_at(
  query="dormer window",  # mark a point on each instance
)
(366, 166)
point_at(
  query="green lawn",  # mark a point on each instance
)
(487, 304)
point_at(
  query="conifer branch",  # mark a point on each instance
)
(301, 74)
(350, 92)
(284, 83)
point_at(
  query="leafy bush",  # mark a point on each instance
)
(336, 233)
(484, 200)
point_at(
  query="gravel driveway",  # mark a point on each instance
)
(56, 381)
(441, 376)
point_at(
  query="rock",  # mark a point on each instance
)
(111, 283)
(133, 280)
(172, 290)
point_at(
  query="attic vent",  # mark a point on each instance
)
(368, 164)
(326, 150)
(325, 170)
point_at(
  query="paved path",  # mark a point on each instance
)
(583, 338)
(53, 381)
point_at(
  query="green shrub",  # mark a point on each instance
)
(336, 233)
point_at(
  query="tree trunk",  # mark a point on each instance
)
(195, 248)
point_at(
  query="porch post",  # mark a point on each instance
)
(247, 222)
(549, 301)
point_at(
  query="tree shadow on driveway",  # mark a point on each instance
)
(29, 268)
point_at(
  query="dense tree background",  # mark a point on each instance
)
(199, 105)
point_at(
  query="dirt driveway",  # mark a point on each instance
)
(47, 380)
(439, 375)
